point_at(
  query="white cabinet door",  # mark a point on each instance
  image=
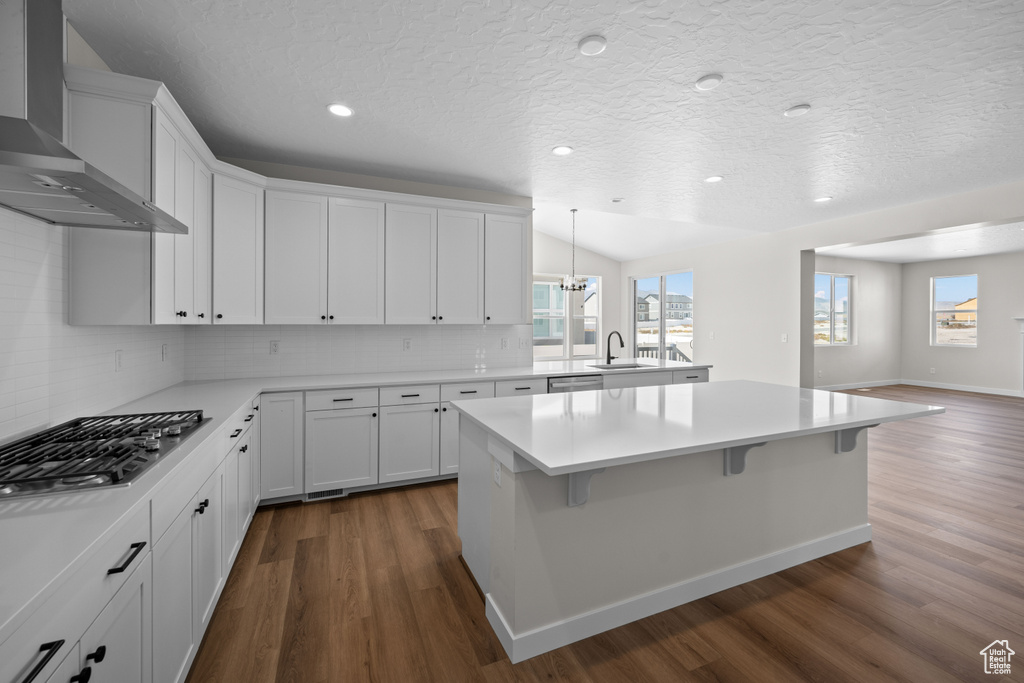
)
(410, 265)
(244, 486)
(409, 442)
(230, 522)
(296, 259)
(341, 448)
(202, 240)
(172, 600)
(355, 271)
(237, 251)
(185, 245)
(449, 439)
(254, 443)
(281, 459)
(637, 379)
(460, 267)
(119, 644)
(506, 280)
(690, 376)
(207, 543)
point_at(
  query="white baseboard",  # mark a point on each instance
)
(963, 387)
(546, 638)
(859, 385)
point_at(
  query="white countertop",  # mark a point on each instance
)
(43, 538)
(576, 432)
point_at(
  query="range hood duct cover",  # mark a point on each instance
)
(39, 176)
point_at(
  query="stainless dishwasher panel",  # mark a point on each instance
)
(560, 385)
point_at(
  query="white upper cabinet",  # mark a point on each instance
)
(410, 265)
(355, 269)
(237, 251)
(296, 258)
(506, 280)
(460, 267)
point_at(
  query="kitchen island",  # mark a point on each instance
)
(582, 512)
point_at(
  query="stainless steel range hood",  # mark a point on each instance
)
(39, 177)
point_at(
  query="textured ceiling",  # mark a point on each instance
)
(911, 99)
(947, 244)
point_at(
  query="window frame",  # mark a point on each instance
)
(832, 310)
(568, 319)
(933, 322)
(663, 310)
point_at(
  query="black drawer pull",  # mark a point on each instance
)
(522, 388)
(98, 655)
(237, 432)
(444, 410)
(136, 549)
(83, 676)
(374, 415)
(435, 410)
(693, 377)
(244, 448)
(409, 395)
(249, 419)
(202, 506)
(342, 400)
(50, 649)
(468, 392)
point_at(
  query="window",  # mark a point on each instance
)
(955, 310)
(672, 340)
(566, 325)
(832, 308)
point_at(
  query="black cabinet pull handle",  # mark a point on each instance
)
(488, 317)
(255, 407)
(433, 317)
(50, 649)
(330, 317)
(409, 395)
(249, 419)
(244, 448)
(323, 317)
(200, 315)
(374, 415)
(440, 317)
(692, 376)
(435, 410)
(202, 506)
(83, 676)
(184, 314)
(522, 388)
(98, 655)
(444, 410)
(236, 433)
(219, 315)
(468, 392)
(342, 400)
(136, 549)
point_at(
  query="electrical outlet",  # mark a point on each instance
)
(118, 360)
(711, 335)
(523, 344)
(785, 338)
(497, 473)
(931, 371)
(275, 347)
(406, 344)
(504, 343)
(819, 373)
(163, 352)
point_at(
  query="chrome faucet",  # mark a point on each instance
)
(622, 345)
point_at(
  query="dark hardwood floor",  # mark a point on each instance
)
(370, 587)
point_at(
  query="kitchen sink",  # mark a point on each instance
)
(618, 366)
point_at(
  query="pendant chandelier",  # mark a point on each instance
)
(571, 283)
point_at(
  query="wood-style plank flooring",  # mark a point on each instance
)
(371, 588)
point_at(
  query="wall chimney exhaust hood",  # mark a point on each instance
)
(39, 177)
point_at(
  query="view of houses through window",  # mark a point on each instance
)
(663, 317)
(565, 324)
(832, 308)
(955, 310)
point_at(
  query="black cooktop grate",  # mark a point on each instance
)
(91, 451)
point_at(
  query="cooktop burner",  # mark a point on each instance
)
(92, 452)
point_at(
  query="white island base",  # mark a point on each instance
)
(651, 535)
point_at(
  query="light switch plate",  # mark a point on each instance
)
(497, 472)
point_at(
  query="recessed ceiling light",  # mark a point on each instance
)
(798, 110)
(714, 179)
(340, 110)
(709, 82)
(561, 150)
(822, 200)
(592, 45)
(616, 200)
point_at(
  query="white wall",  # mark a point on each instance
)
(748, 290)
(874, 356)
(51, 372)
(552, 256)
(996, 363)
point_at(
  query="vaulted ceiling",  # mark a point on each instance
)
(909, 100)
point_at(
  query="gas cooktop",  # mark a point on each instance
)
(92, 452)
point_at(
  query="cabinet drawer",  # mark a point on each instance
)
(68, 612)
(467, 390)
(690, 376)
(521, 387)
(418, 393)
(332, 399)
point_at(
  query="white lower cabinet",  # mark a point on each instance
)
(341, 448)
(281, 458)
(637, 379)
(690, 376)
(119, 644)
(521, 387)
(254, 448)
(207, 540)
(231, 506)
(409, 441)
(464, 391)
